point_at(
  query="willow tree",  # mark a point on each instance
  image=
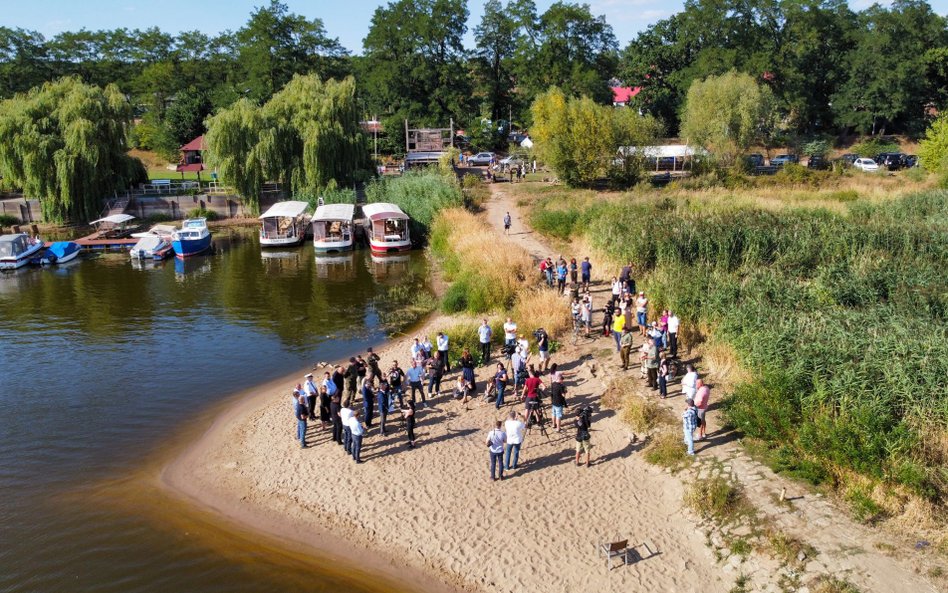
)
(64, 143)
(306, 137)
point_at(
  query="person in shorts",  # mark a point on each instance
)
(583, 442)
(557, 400)
(543, 346)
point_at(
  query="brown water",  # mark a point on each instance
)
(101, 360)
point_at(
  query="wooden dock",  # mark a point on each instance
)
(95, 242)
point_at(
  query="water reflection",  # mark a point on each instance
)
(337, 268)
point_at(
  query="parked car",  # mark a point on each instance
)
(892, 161)
(867, 165)
(755, 160)
(782, 159)
(482, 158)
(910, 161)
(818, 162)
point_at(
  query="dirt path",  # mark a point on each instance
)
(843, 548)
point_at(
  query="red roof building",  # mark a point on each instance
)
(191, 158)
(621, 95)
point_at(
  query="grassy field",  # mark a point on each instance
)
(832, 301)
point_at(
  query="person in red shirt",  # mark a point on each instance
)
(531, 396)
(702, 398)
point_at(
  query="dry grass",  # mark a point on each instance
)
(721, 365)
(718, 499)
(829, 584)
(667, 449)
(536, 308)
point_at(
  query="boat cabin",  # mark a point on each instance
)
(284, 224)
(332, 227)
(388, 228)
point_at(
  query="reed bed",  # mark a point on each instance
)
(421, 195)
(830, 322)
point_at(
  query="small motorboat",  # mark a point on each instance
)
(155, 243)
(193, 238)
(17, 250)
(60, 252)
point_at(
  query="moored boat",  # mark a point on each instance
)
(115, 226)
(60, 252)
(332, 228)
(17, 249)
(284, 224)
(193, 238)
(155, 243)
(387, 228)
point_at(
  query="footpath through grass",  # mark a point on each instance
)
(839, 318)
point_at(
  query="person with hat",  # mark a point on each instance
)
(311, 393)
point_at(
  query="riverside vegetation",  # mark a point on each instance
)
(836, 321)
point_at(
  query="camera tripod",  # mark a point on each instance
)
(535, 417)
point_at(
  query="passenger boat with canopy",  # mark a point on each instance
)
(387, 228)
(284, 224)
(332, 228)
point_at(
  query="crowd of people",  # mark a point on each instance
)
(348, 402)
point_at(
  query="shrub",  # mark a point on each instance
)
(643, 414)
(873, 146)
(202, 213)
(716, 498)
(667, 449)
(7, 220)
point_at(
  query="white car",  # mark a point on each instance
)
(867, 165)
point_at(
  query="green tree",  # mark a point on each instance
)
(496, 42)
(185, 117)
(582, 140)
(276, 44)
(307, 137)
(933, 149)
(64, 143)
(23, 61)
(726, 114)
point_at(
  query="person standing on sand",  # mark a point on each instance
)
(543, 347)
(702, 398)
(561, 271)
(414, 375)
(381, 398)
(651, 365)
(467, 368)
(641, 312)
(573, 271)
(309, 387)
(352, 380)
(417, 353)
(518, 362)
(550, 269)
(326, 389)
(357, 433)
(513, 428)
(363, 367)
(673, 325)
(443, 345)
(484, 335)
(496, 439)
(427, 347)
(435, 374)
(585, 269)
(345, 414)
(663, 376)
(500, 383)
(373, 361)
(408, 411)
(301, 415)
(689, 383)
(618, 326)
(335, 409)
(625, 347)
(368, 399)
(557, 400)
(510, 333)
(395, 376)
(507, 221)
(583, 438)
(689, 421)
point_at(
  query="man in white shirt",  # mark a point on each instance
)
(673, 323)
(309, 387)
(443, 344)
(484, 334)
(357, 431)
(513, 428)
(345, 414)
(416, 350)
(689, 383)
(510, 333)
(496, 439)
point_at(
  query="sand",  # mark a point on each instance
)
(430, 517)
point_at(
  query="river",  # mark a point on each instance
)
(102, 362)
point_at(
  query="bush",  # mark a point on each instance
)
(202, 213)
(716, 498)
(873, 146)
(7, 220)
(667, 449)
(643, 414)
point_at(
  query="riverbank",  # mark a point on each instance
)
(434, 510)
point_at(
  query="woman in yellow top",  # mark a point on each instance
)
(618, 324)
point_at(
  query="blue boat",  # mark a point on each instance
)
(60, 252)
(193, 238)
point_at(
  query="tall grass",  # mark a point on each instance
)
(841, 319)
(421, 195)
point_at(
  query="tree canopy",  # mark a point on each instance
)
(65, 144)
(726, 114)
(307, 137)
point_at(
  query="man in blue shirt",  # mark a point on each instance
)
(484, 334)
(382, 400)
(585, 269)
(689, 422)
(415, 374)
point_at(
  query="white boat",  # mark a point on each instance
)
(155, 243)
(332, 228)
(17, 249)
(388, 228)
(284, 224)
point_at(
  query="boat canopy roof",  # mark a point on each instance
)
(382, 210)
(115, 219)
(335, 212)
(158, 229)
(288, 209)
(12, 238)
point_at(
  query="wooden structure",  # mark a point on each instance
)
(192, 157)
(424, 146)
